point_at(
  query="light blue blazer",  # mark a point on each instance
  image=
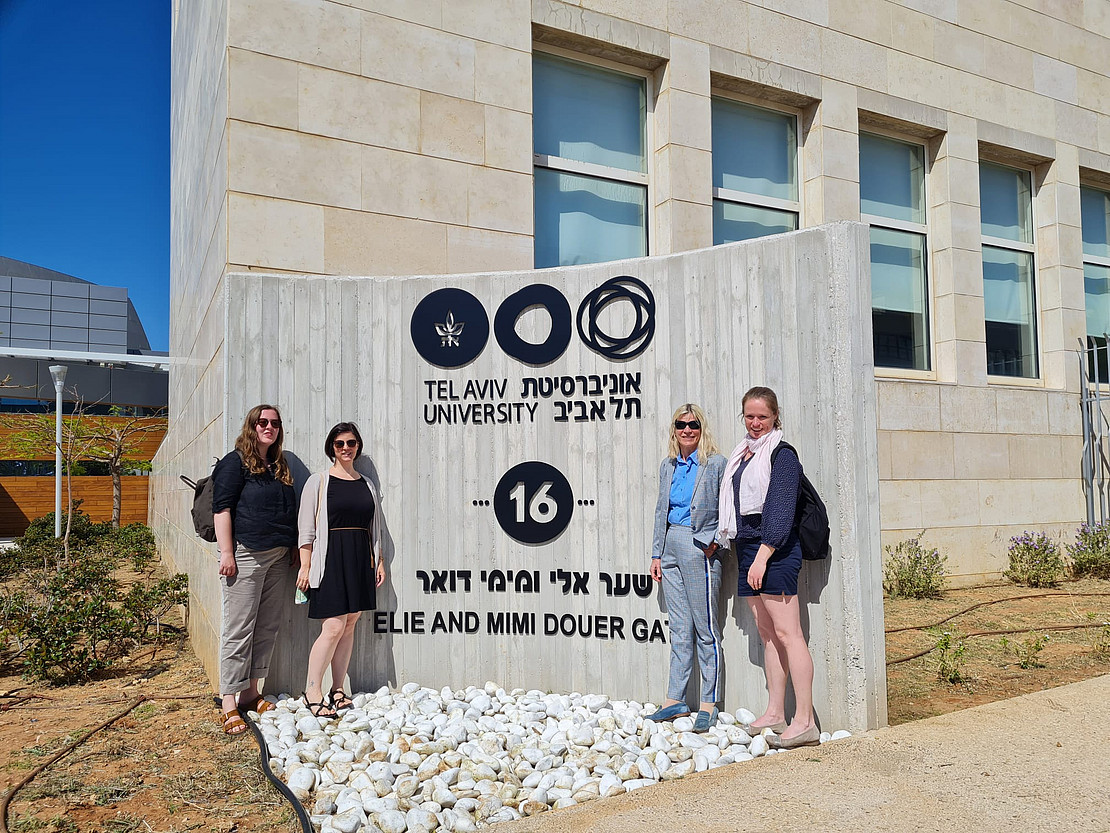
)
(703, 506)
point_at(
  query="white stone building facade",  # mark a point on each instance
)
(410, 137)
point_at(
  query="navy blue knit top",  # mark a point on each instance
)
(773, 527)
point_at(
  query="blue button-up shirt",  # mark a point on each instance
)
(682, 489)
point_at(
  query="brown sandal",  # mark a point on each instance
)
(233, 722)
(259, 704)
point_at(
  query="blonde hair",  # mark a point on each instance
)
(706, 446)
(247, 446)
(768, 397)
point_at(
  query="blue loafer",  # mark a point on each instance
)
(670, 713)
(705, 720)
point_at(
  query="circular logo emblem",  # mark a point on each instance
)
(533, 502)
(618, 346)
(536, 295)
(449, 328)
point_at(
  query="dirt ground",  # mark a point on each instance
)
(991, 665)
(166, 767)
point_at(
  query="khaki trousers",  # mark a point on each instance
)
(251, 612)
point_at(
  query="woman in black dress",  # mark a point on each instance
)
(341, 563)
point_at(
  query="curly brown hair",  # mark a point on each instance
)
(247, 446)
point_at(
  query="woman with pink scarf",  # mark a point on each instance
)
(759, 498)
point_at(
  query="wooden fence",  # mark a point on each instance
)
(22, 499)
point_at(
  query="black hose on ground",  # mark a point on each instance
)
(264, 757)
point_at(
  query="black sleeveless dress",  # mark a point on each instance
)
(348, 582)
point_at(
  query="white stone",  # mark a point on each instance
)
(840, 734)
(758, 746)
(392, 821)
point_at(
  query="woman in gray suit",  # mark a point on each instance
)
(686, 559)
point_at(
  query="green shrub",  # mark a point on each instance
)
(1029, 649)
(913, 572)
(1100, 648)
(65, 620)
(1090, 554)
(950, 659)
(135, 542)
(1035, 560)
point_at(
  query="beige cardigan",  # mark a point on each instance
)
(315, 492)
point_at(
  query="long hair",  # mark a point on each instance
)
(247, 446)
(768, 396)
(706, 446)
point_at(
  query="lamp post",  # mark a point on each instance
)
(58, 373)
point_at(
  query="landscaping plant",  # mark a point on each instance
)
(1035, 560)
(64, 619)
(913, 572)
(1090, 554)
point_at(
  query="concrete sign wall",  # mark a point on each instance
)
(515, 423)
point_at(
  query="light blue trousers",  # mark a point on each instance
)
(692, 591)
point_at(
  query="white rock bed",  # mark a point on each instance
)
(422, 760)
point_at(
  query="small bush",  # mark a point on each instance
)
(1029, 649)
(135, 542)
(1100, 648)
(65, 620)
(1090, 554)
(1035, 560)
(950, 660)
(913, 572)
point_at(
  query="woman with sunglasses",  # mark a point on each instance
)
(687, 560)
(758, 503)
(255, 514)
(341, 563)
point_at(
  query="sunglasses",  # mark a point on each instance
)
(693, 425)
(348, 443)
(266, 423)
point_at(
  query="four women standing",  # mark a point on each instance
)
(748, 501)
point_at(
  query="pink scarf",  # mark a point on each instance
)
(753, 483)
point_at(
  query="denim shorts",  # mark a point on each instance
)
(781, 578)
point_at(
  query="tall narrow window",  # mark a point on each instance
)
(1009, 294)
(892, 201)
(590, 163)
(1096, 275)
(755, 172)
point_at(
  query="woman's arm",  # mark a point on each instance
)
(225, 542)
(306, 565)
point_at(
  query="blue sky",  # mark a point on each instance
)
(85, 146)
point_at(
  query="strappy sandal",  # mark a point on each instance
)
(259, 704)
(233, 722)
(318, 709)
(339, 700)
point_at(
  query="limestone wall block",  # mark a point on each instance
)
(277, 234)
(359, 109)
(316, 32)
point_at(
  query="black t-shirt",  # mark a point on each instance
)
(263, 509)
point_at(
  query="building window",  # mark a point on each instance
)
(589, 144)
(1096, 275)
(755, 171)
(1009, 296)
(892, 201)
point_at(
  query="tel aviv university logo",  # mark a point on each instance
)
(450, 327)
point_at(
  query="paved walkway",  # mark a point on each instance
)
(1038, 762)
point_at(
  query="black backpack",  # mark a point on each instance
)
(203, 521)
(811, 518)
